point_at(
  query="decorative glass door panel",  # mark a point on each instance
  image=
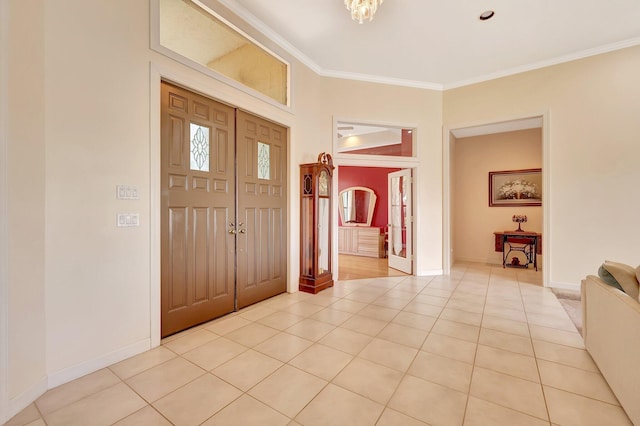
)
(199, 147)
(264, 161)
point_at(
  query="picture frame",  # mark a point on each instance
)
(509, 188)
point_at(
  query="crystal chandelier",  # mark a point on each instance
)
(362, 10)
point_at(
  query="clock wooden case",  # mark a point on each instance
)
(316, 206)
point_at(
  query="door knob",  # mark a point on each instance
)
(242, 231)
(232, 231)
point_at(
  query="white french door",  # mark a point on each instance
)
(400, 221)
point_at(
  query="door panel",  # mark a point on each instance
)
(177, 268)
(401, 221)
(197, 204)
(261, 174)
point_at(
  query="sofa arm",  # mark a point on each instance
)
(611, 332)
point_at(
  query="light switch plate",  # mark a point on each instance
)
(125, 220)
(127, 192)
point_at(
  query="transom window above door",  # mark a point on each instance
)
(359, 138)
(194, 34)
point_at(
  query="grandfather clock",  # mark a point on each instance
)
(315, 224)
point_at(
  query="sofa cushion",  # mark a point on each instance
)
(608, 278)
(625, 275)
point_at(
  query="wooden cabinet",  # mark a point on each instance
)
(360, 241)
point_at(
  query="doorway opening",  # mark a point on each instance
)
(367, 209)
(472, 155)
(366, 154)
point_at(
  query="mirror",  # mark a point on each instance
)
(356, 205)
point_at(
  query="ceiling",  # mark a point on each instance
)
(443, 44)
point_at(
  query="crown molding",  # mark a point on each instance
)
(546, 63)
(256, 23)
(381, 80)
(268, 32)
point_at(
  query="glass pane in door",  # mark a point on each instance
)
(323, 235)
(264, 161)
(400, 221)
(199, 147)
(398, 214)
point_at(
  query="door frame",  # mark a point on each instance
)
(447, 157)
(206, 86)
(4, 211)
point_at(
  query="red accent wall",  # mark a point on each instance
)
(370, 177)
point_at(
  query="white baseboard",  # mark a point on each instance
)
(71, 373)
(23, 400)
(430, 272)
(566, 286)
(483, 261)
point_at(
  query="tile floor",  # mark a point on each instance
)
(484, 346)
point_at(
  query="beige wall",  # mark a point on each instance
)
(358, 101)
(593, 130)
(26, 200)
(473, 220)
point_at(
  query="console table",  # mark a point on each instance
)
(528, 243)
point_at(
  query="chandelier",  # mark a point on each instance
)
(362, 10)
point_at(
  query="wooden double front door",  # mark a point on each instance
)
(223, 209)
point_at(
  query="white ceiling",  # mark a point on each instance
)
(442, 44)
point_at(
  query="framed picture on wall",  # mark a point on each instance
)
(515, 188)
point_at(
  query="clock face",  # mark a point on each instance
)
(323, 184)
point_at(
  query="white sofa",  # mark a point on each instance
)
(611, 331)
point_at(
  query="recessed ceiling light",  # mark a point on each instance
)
(486, 15)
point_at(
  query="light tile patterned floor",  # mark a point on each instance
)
(484, 346)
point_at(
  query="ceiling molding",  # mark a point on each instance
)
(546, 63)
(500, 127)
(251, 19)
(381, 80)
(268, 32)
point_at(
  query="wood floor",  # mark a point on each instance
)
(357, 267)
